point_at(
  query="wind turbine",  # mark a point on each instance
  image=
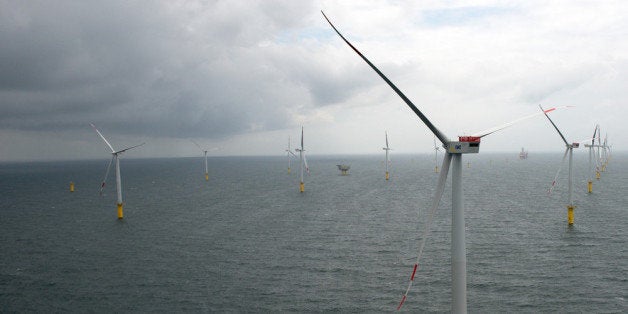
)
(303, 163)
(605, 153)
(599, 154)
(568, 150)
(204, 152)
(289, 152)
(115, 157)
(453, 156)
(387, 160)
(591, 155)
(436, 148)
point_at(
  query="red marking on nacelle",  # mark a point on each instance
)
(472, 139)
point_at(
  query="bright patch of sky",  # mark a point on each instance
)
(461, 15)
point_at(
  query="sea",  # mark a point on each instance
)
(248, 241)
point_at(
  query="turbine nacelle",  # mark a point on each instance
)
(464, 145)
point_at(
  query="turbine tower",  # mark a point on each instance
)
(204, 152)
(303, 163)
(115, 157)
(568, 150)
(453, 156)
(387, 160)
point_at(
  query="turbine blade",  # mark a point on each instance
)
(103, 138)
(123, 150)
(301, 138)
(594, 132)
(505, 125)
(416, 110)
(558, 172)
(291, 153)
(555, 127)
(386, 139)
(306, 166)
(195, 143)
(104, 181)
(440, 188)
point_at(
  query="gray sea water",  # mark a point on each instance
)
(248, 241)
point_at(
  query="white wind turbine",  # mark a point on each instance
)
(605, 152)
(591, 157)
(289, 152)
(303, 163)
(436, 148)
(387, 159)
(568, 150)
(204, 152)
(453, 155)
(115, 157)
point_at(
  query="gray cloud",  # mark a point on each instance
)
(172, 69)
(237, 74)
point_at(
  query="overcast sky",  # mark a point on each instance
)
(240, 77)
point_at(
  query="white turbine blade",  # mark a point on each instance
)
(103, 138)
(558, 172)
(386, 139)
(291, 153)
(195, 143)
(305, 162)
(123, 150)
(440, 188)
(555, 127)
(416, 110)
(301, 138)
(505, 125)
(104, 181)
(594, 132)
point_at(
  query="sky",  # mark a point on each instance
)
(241, 77)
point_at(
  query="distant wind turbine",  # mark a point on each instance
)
(568, 150)
(115, 157)
(436, 148)
(387, 159)
(453, 155)
(591, 157)
(204, 152)
(303, 163)
(606, 152)
(289, 152)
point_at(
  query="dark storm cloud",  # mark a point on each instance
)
(160, 69)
